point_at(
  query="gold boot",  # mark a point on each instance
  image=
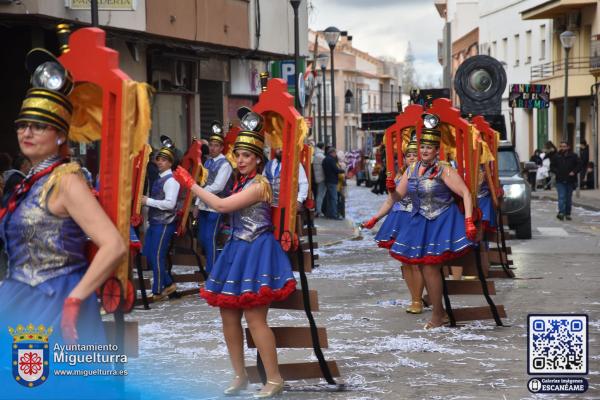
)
(239, 383)
(416, 307)
(277, 389)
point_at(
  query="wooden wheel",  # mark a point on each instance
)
(112, 295)
(129, 299)
(296, 242)
(286, 240)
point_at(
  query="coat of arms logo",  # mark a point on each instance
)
(30, 354)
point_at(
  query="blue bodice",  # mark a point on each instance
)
(274, 180)
(39, 245)
(156, 215)
(429, 194)
(404, 204)
(250, 222)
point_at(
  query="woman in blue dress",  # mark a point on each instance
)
(398, 216)
(46, 224)
(437, 231)
(253, 270)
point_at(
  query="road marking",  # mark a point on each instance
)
(551, 231)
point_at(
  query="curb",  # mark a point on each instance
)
(355, 235)
(574, 202)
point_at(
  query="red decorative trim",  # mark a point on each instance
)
(386, 244)
(487, 227)
(265, 296)
(432, 260)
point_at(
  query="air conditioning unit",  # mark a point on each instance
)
(180, 76)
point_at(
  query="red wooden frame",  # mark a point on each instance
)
(89, 60)
(191, 161)
(467, 148)
(411, 117)
(276, 99)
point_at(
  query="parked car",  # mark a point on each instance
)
(517, 192)
(369, 174)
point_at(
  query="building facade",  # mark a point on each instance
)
(363, 84)
(518, 46)
(495, 28)
(203, 57)
(582, 18)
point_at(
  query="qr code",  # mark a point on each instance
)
(557, 344)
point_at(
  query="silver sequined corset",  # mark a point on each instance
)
(39, 245)
(275, 187)
(484, 190)
(404, 204)
(429, 194)
(250, 222)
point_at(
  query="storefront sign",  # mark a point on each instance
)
(112, 5)
(529, 96)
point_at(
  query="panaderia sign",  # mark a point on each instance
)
(107, 5)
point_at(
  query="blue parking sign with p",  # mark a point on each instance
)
(288, 73)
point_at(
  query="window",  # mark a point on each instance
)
(517, 50)
(542, 42)
(527, 47)
(505, 50)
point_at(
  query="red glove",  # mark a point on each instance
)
(68, 323)
(390, 184)
(470, 229)
(499, 192)
(184, 178)
(370, 223)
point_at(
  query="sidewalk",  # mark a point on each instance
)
(330, 231)
(589, 199)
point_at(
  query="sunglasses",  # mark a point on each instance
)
(36, 127)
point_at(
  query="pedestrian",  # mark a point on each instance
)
(331, 171)
(589, 176)
(218, 182)
(50, 282)
(398, 217)
(319, 177)
(549, 150)
(566, 166)
(253, 270)
(272, 172)
(437, 232)
(341, 186)
(584, 156)
(162, 214)
(532, 173)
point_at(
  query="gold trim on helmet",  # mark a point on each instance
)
(250, 141)
(46, 106)
(216, 138)
(167, 153)
(431, 136)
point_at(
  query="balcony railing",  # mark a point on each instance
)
(577, 66)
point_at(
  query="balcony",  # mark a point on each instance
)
(552, 73)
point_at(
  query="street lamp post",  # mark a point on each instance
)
(567, 38)
(332, 34)
(319, 118)
(324, 58)
(94, 11)
(295, 4)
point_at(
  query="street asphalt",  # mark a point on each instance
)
(383, 352)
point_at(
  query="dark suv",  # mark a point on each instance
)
(517, 193)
